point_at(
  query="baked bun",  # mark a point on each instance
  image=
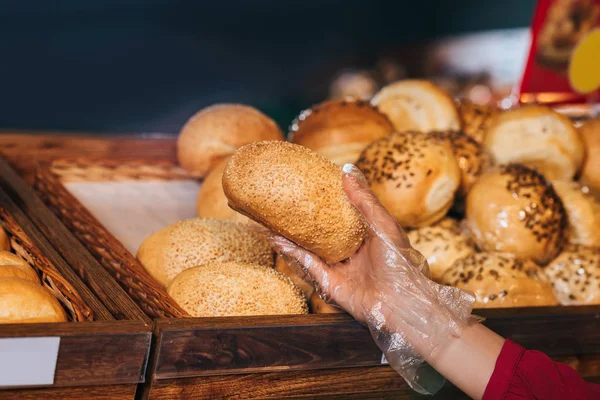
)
(538, 137)
(449, 223)
(471, 158)
(212, 202)
(515, 210)
(441, 246)
(295, 276)
(236, 289)
(4, 240)
(575, 276)
(193, 242)
(22, 301)
(415, 176)
(501, 280)
(218, 131)
(319, 306)
(416, 105)
(296, 193)
(340, 129)
(583, 213)
(476, 118)
(590, 173)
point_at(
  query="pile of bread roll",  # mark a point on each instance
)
(500, 202)
(22, 298)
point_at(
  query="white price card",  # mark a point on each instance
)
(28, 361)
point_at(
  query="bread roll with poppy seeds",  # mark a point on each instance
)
(296, 193)
(218, 131)
(192, 242)
(515, 210)
(476, 118)
(236, 289)
(415, 176)
(23, 302)
(501, 280)
(417, 105)
(575, 275)
(339, 129)
(583, 213)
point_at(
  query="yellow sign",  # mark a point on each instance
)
(584, 68)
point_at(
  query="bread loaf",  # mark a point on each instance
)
(575, 276)
(23, 301)
(11, 265)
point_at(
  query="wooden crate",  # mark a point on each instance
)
(98, 355)
(270, 356)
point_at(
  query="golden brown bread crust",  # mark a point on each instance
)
(212, 202)
(4, 240)
(583, 213)
(236, 289)
(23, 301)
(575, 275)
(415, 176)
(441, 246)
(218, 131)
(417, 105)
(192, 242)
(515, 210)
(538, 137)
(476, 118)
(296, 193)
(501, 280)
(590, 173)
(339, 129)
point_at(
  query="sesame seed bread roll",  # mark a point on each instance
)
(340, 129)
(416, 105)
(415, 176)
(472, 160)
(590, 173)
(441, 246)
(515, 210)
(583, 213)
(212, 202)
(575, 276)
(4, 240)
(319, 306)
(218, 131)
(189, 243)
(476, 118)
(296, 193)
(501, 280)
(538, 137)
(296, 276)
(236, 289)
(23, 301)
(11, 265)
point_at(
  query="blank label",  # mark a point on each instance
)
(28, 361)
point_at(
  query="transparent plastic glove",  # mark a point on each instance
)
(385, 286)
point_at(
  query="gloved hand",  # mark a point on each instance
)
(385, 286)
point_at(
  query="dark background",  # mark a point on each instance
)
(147, 65)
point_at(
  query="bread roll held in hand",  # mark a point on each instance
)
(4, 240)
(23, 301)
(415, 176)
(193, 242)
(218, 131)
(472, 160)
(538, 137)
(501, 280)
(583, 213)
(212, 202)
(416, 105)
(340, 129)
(590, 172)
(441, 246)
(236, 289)
(476, 118)
(575, 275)
(296, 193)
(515, 210)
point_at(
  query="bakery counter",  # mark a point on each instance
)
(303, 356)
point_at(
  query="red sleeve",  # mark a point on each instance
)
(526, 374)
